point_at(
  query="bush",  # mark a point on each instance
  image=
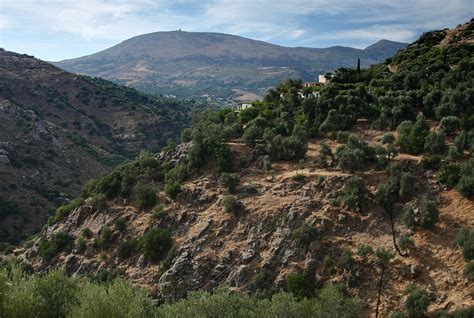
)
(431, 162)
(119, 299)
(301, 284)
(466, 185)
(417, 301)
(155, 243)
(346, 260)
(405, 243)
(408, 217)
(388, 138)
(104, 238)
(469, 271)
(126, 249)
(86, 232)
(449, 174)
(146, 196)
(172, 189)
(449, 124)
(231, 205)
(407, 185)
(355, 194)
(120, 224)
(62, 212)
(342, 136)
(365, 250)
(465, 240)
(81, 245)
(59, 242)
(429, 213)
(159, 212)
(411, 136)
(435, 143)
(305, 234)
(229, 181)
(51, 295)
(325, 153)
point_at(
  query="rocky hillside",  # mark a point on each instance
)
(368, 184)
(60, 129)
(192, 64)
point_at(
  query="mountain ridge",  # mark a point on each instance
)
(192, 64)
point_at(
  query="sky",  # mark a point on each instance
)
(60, 29)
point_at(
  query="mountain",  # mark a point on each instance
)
(59, 129)
(192, 64)
(366, 187)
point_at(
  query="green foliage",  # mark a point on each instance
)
(435, 143)
(59, 242)
(229, 181)
(118, 299)
(449, 174)
(354, 154)
(125, 249)
(355, 194)
(449, 124)
(417, 301)
(408, 217)
(155, 243)
(405, 243)
(146, 196)
(159, 213)
(466, 182)
(429, 213)
(51, 295)
(346, 260)
(120, 224)
(465, 240)
(365, 250)
(305, 234)
(63, 211)
(104, 239)
(81, 245)
(469, 271)
(301, 284)
(186, 135)
(411, 136)
(325, 153)
(384, 256)
(231, 204)
(172, 188)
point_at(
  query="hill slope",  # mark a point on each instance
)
(371, 181)
(59, 129)
(190, 64)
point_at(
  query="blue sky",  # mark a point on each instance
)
(59, 29)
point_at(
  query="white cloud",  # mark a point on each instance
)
(290, 22)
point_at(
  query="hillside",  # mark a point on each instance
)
(365, 189)
(192, 64)
(60, 129)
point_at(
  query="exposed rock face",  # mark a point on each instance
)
(213, 248)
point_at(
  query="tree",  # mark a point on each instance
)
(305, 234)
(449, 124)
(231, 205)
(405, 243)
(325, 153)
(434, 143)
(417, 301)
(155, 243)
(301, 285)
(146, 196)
(429, 213)
(355, 193)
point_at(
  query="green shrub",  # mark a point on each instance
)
(125, 249)
(86, 232)
(346, 260)
(81, 245)
(62, 212)
(388, 138)
(431, 162)
(329, 265)
(325, 153)
(435, 143)
(407, 185)
(159, 213)
(172, 189)
(449, 174)
(405, 243)
(59, 242)
(342, 136)
(120, 224)
(146, 196)
(417, 301)
(466, 182)
(229, 181)
(469, 271)
(186, 135)
(408, 217)
(301, 284)
(449, 124)
(119, 299)
(104, 239)
(355, 194)
(429, 213)
(305, 234)
(155, 243)
(465, 240)
(231, 205)
(365, 250)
